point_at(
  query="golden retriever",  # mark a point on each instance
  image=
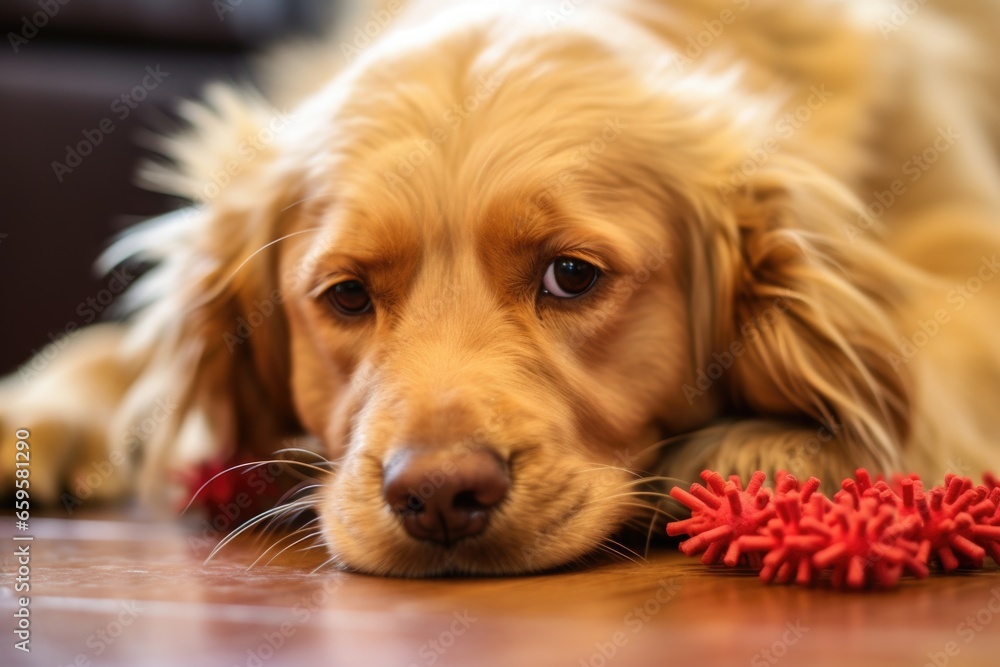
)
(509, 264)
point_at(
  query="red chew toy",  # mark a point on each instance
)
(721, 514)
(871, 534)
(959, 523)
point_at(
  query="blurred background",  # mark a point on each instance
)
(81, 83)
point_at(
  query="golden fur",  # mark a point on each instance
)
(756, 308)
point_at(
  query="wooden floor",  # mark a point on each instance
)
(130, 593)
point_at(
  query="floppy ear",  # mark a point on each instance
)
(806, 298)
(210, 332)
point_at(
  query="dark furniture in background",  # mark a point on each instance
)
(63, 70)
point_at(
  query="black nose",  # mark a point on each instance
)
(444, 496)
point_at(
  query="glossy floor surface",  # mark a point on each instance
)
(137, 593)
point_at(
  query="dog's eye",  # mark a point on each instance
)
(567, 277)
(349, 297)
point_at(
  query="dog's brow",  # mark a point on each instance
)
(541, 229)
(381, 250)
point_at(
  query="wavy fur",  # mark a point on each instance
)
(756, 309)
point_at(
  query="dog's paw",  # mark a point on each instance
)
(58, 459)
(33, 456)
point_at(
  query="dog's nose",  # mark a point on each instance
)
(444, 496)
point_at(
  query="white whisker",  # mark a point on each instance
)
(265, 247)
(269, 514)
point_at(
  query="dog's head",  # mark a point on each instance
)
(488, 267)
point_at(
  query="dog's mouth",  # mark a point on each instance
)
(492, 553)
(523, 532)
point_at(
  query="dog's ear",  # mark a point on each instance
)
(209, 332)
(804, 302)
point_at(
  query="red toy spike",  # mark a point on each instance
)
(791, 539)
(955, 520)
(868, 546)
(947, 526)
(720, 515)
(991, 481)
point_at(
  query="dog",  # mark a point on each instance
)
(511, 268)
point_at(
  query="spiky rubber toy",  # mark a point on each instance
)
(721, 513)
(870, 535)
